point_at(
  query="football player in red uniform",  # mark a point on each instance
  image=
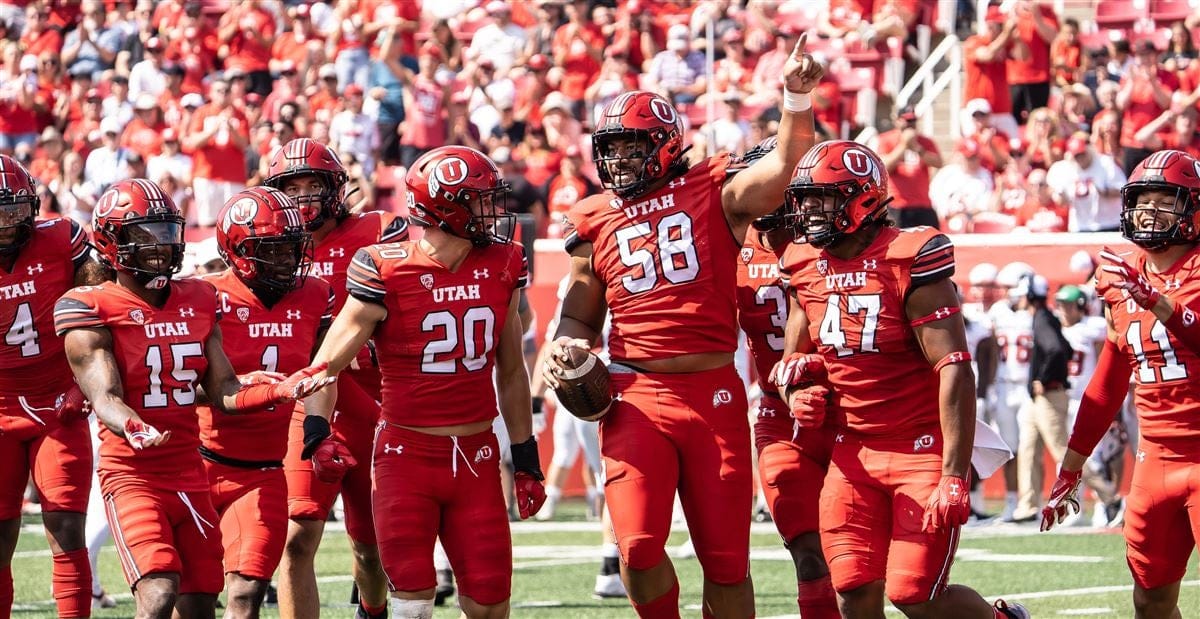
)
(139, 348)
(1153, 296)
(312, 176)
(659, 251)
(876, 308)
(445, 310)
(38, 262)
(274, 317)
(792, 460)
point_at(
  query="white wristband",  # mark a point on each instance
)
(796, 102)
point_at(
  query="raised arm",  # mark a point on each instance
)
(759, 189)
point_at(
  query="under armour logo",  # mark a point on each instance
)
(337, 252)
(840, 438)
(677, 183)
(388, 449)
(925, 441)
(293, 314)
(36, 268)
(484, 453)
(870, 264)
(1141, 456)
(1172, 284)
(953, 492)
(187, 312)
(721, 396)
(481, 273)
(941, 312)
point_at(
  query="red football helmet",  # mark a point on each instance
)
(837, 187)
(307, 157)
(135, 222)
(638, 140)
(461, 191)
(1153, 225)
(18, 205)
(261, 234)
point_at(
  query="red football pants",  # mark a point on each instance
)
(252, 505)
(685, 433)
(428, 487)
(1162, 508)
(791, 468)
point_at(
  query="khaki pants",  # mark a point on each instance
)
(1043, 423)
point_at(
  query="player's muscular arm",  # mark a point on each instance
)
(89, 351)
(758, 190)
(348, 334)
(93, 273)
(583, 307)
(512, 381)
(956, 394)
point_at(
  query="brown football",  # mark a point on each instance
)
(584, 388)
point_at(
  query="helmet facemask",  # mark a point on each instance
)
(633, 155)
(774, 226)
(1154, 224)
(280, 263)
(16, 222)
(490, 222)
(316, 207)
(151, 248)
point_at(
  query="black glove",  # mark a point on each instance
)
(525, 459)
(316, 430)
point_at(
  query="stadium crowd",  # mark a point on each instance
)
(195, 94)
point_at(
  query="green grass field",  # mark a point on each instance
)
(1081, 573)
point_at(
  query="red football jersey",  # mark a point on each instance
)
(762, 306)
(1166, 392)
(668, 261)
(437, 345)
(882, 382)
(255, 337)
(160, 354)
(31, 360)
(332, 255)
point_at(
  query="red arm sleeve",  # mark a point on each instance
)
(1182, 325)
(1101, 400)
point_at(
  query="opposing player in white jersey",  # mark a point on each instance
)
(1086, 335)
(1013, 329)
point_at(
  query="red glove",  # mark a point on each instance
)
(798, 368)
(71, 406)
(1129, 280)
(142, 435)
(331, 460)
(949, 505)
(808, 406)
(298, 386)
(1063, 498)
(530, 494)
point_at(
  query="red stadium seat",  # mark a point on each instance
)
(1119, 14)
(992, 223)
(1165, 12)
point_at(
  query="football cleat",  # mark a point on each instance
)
(608, 586)
(445, 587)
(1015, 611)
(103, 600)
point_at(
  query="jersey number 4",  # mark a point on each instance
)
(676, 253)
(23, 332)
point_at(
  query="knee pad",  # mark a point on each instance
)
(641, 552)
(412, 609)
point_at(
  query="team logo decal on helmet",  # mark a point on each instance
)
(859, 164)
(663, 111)
(241, 212)
(450, 171)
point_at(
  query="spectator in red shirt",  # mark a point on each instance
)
(1029, 78)
(984, 58)
(46, 164)
(1039, 212)
(248, 30)
(143, 134)
(1066, 54)
(1174, 129)
(1181, 49)
(994, 148)
(568, 187)
(301, 46)
(1041, 142)
(18, 99)
(909, 157)
(1145, 93)
(323, 104)
(38, 36)
(217, 138)
(578, 49)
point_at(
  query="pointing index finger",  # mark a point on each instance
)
(800, 43)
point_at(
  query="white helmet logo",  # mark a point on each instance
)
(858, 163)
(450, 171)
(663, 111)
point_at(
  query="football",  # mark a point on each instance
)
(584, 388)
